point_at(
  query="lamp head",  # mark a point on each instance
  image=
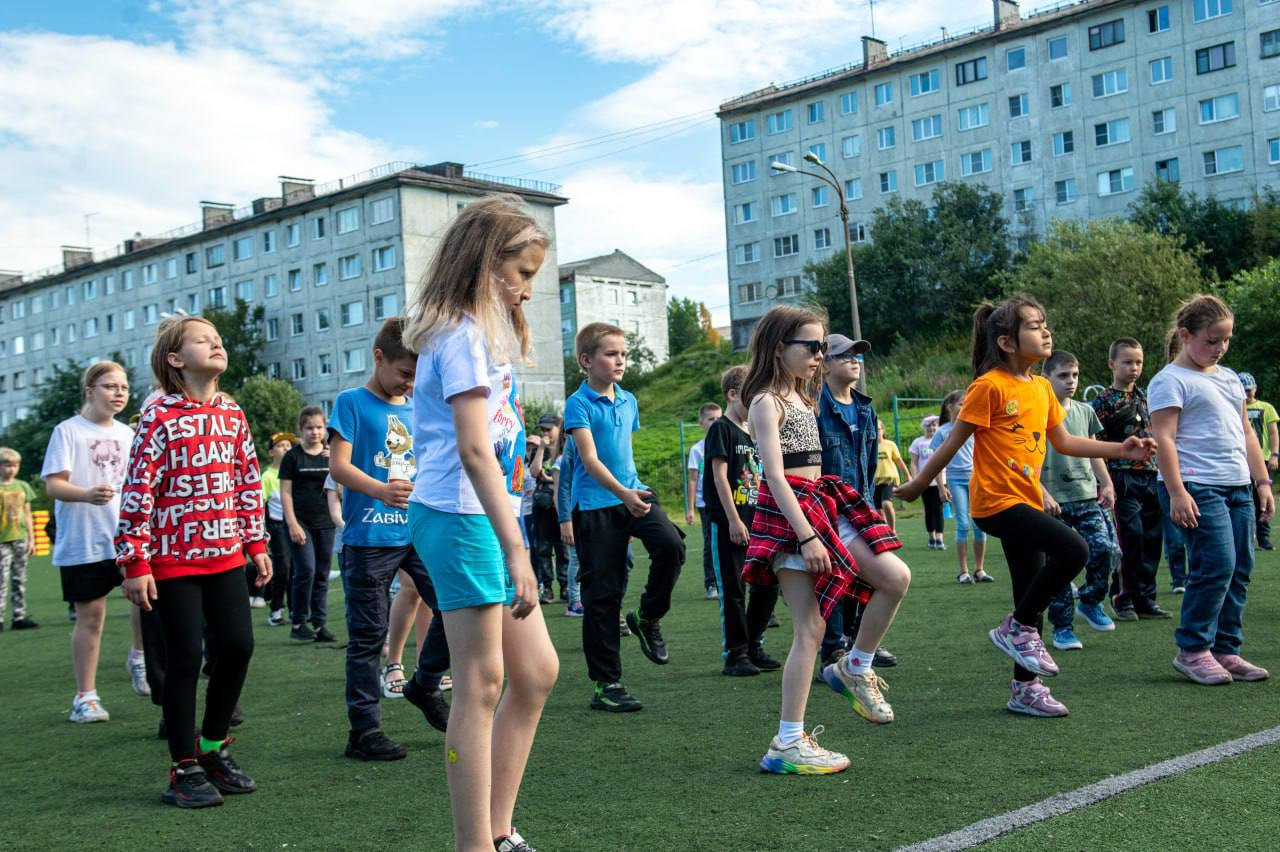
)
(783, 167)
(813, 158)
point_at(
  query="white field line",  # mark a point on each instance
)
(1062, 803)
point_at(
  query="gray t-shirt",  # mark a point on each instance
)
(1069, 478)
(1210, 439)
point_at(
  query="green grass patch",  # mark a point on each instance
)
(680, 775)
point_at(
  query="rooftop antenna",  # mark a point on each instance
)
(871, 5)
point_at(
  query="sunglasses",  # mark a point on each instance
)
(815, 347)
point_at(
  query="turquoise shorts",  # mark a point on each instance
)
(463, 557)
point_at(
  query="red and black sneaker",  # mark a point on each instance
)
(224, 772)
(189, 787)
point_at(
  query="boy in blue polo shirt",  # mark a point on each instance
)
(612, 507)
(371, 455)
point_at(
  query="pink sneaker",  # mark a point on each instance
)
(1023, 643)
(1201, 668)
(1240, 668)
(1033, 699)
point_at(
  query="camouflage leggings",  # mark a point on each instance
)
(1094, 525)
(13, 578)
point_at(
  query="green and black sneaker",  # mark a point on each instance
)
(614, 698)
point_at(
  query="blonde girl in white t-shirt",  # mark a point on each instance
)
(467, 327)
(84, 469)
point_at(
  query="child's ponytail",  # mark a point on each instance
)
(981, 349)
(992, 322)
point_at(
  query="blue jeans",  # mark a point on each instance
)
(311, 561)
(366, 581)
(1220, 562)
(1175, 545)
(960, 509)
(575, 590)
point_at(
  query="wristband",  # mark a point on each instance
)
(806, 541)
(1258, 483)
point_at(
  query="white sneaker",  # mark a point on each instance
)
(276, 618)
(333, 576)
(88, 709)
(257, 603)
(802, 757)
(137, 669)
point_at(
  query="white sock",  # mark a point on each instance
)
(789, 732)
(858, 662)
(135, 656)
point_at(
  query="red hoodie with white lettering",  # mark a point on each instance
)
(192, 499)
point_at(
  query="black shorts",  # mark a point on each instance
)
(883, 492)
(84, 583)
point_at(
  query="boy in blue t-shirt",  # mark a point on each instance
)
(371, 455)
(612, 507)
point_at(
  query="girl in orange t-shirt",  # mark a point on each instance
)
(1013, 416)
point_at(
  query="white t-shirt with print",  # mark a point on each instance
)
(456, 362)
(91, 455)
(697, 462)
(1210, 440)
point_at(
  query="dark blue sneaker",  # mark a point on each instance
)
(189, 787)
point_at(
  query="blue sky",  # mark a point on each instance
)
(135, 111)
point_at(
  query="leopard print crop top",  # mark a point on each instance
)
(798, 435)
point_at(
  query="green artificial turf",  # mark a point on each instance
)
(680, 775)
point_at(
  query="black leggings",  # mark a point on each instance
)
(1044, 555)
(932, 509)
(218, 603)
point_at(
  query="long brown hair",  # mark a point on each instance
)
(169, 338)
(764, 371)
(944, 413)
(462, 278)
(992, 322)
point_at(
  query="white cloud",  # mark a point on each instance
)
(487, 124)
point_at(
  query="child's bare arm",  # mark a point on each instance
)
(632, 498)
(765, 419)
(960, 433)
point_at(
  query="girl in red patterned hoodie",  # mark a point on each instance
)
(191, 511)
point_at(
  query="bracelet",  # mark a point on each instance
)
(1258, 483)
(806, 541)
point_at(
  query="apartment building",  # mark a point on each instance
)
(618, 289)
(1065, 111)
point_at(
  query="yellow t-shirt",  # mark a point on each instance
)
(1013, 417)
(887, 458)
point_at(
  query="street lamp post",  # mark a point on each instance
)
(830, 179)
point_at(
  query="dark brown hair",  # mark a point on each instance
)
(1122, 343)
(1059, 358)
(307, 413)
(944, 414)
(732, 379)
(764, 373)
(1196, 314)
(390, 341)
(992, 322)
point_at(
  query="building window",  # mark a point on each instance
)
(215, 256)
(851, 146)
(884, 94)
(353, 360)
(128, 320)
(819, 150)
(821, 238)
(241, 249)
(151, 314)
(1019, 105)
(1271, 98)
(817, 112)
(752, 292)
(352, 313)
(90, 293)
(268, 242)
(1111, 132)
(1221, 108)
(1163, 121)
(926, 128)
(1064, 143)
(1161, 70)
(743, 172)
(383, 210)
(784, 205)
(927, 173)
(885, 138)
(1106, 35)
(1270, 43)
(849, 103)
(244, 291)
(820, 196)
(975, 162)
(1158, 19)
(1023, 198)
(1115, 180)
(385, 306)
(1203, 10)
(1020, 152)
(384, 258)
(273, 370)
(1110, 83)
(317, 228)
(744, 213)
(1060, 95)
(888, 181)
(786, 246)
(971, 71)
(171, 268)
(273, 328)
(742, 131)
(323, 319)
(324, 364)
(975, 116)
(348, 219)
(748, 253)
(292, 234)
(1057, 48)
(925, 82)
(295, 280)
(1065, 190)
(1209, 59)
(787, 158)
(1015, 59)
(1168, 170)
(296, 325)
(191, 266)
(71, 333)
(217, 297)
(853, 189)
(1224, 161)
(780, 122)
(37, 339)
(319, 274)
(633, 297)
(787, 286)
(193, 303)
(270, 285)
(299, 369)
(1273, 151)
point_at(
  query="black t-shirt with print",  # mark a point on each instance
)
(725, 440)
(308, 474)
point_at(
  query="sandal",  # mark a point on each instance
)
(964, 578)
(393, 681)
(983, 577)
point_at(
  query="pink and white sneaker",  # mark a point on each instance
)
(1202, 668)
(1032, 698)
(1022, 642)
(1240, 668)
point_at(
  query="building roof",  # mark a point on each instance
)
(615, 265)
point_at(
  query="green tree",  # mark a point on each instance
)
(1106, 279)
(1254, 296)
(270, 406)
(1227, 234)
(640, 358)
(243, 338)
(573, 374)
(684, 327)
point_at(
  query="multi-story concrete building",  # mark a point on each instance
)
(328, 263)
(1066, 112)
(614, 288)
